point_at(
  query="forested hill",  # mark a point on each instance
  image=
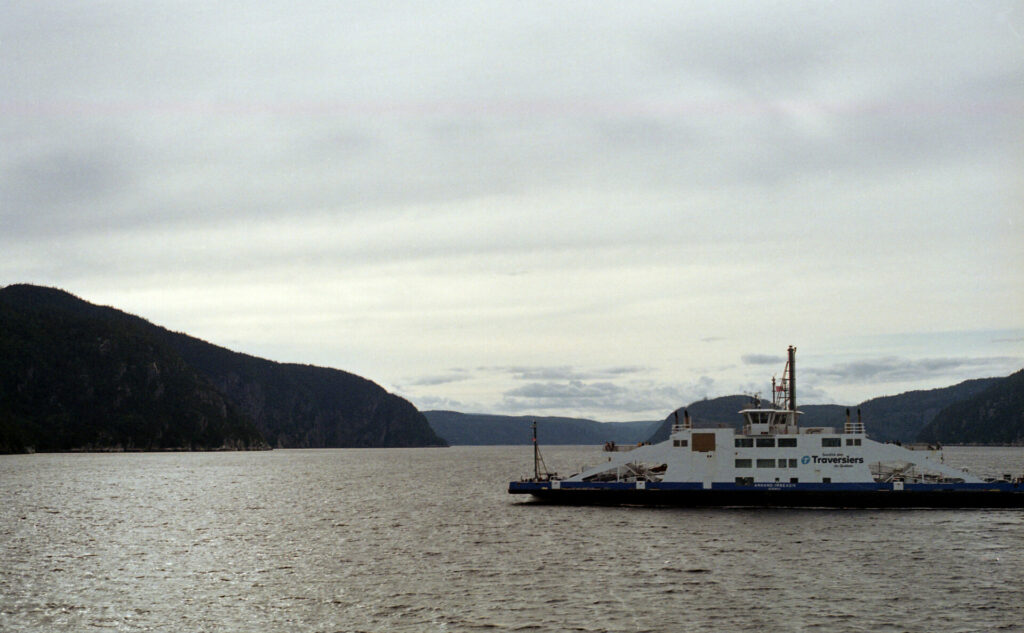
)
(993, 416)
(901, 417)
(76, 376)
(484, 429)
(74, 379)
(725, 410)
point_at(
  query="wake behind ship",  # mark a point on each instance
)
(774, 462)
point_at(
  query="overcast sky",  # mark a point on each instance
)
(602, 210)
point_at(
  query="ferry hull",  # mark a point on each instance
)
(1003, 496)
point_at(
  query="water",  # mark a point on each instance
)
(428, 540)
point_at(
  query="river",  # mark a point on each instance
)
(429, 540)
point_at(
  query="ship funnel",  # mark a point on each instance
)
(676, 427)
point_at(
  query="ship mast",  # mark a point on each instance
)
(784, 391)
(536, 454)
(791, 365)
(538, 461)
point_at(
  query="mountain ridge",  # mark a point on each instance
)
(898, 417)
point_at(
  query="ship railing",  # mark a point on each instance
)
(612, 447)
(921, 446)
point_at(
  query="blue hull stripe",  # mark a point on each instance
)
(530, 486)
(839, 495)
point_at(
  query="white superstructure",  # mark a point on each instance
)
(773, 450)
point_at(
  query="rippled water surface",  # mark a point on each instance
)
(428, 540)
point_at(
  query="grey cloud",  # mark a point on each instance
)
(56, 179)
(639, 397)
(762, 359)
(896, 369)
(296, 143)
(548, 373)
(565, 372)
(43, 181)
(440, 403)
(147, 138)
(439, 379)
(574, 391)
(620, 371)
(811, 394)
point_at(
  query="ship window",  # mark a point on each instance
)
(794, 480)
(782, 463)
(766, 442)
(792, 463)
(743, 463)
(830, 442)
(766, 463)
(745, 481)
(852, 442)
(703, 442)
(787, 442)
(826, 480)
(680, 442)
(744, 442)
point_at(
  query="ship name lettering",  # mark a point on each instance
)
(841, 459)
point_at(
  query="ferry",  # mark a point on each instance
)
(773, 462)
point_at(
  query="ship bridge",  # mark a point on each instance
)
(780, 418)
(770, 422)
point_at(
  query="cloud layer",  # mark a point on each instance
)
(398, 190)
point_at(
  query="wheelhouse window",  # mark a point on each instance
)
(766, 442)
(743, 463)
(766, 463)
(787, 442)
(744, 442)
(759, 417)
(831, 442)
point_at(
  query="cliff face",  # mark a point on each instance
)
(301, 406)
(78, 376)
(74, 380)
